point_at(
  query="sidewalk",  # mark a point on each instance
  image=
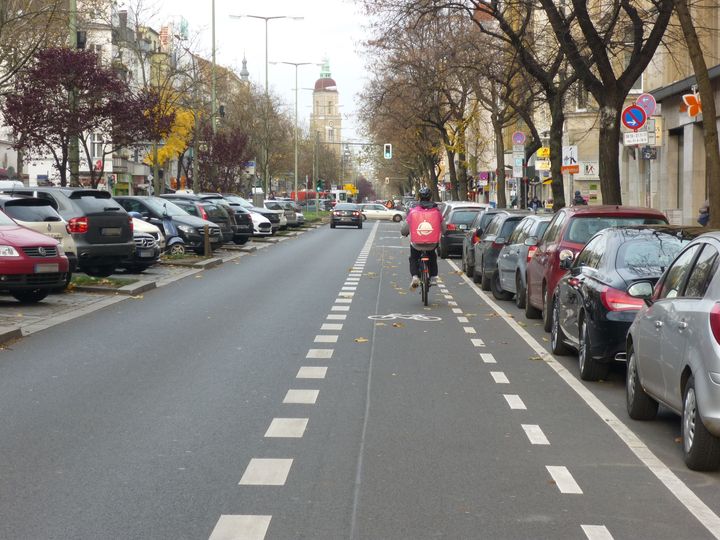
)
(19, 320)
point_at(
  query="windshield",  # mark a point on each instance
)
(582, 229)
(4, 220)
(162, 206)
(240, 201)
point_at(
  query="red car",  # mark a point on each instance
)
(31, 264)
(570, 229)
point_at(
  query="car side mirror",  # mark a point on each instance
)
(642, 289)
(566, 259)
(531, 241)
(500, 240)
(479, 232)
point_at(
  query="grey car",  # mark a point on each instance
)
(673, 350)
(472, 235)
(514, 257)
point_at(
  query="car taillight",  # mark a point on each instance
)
(451, 227)
(715, 321)
(356, 213)
(132, 225)
(475, 238)
(77, 225)
(531, 252)
(497, 245)
(616, 300)
(336, 213)
(203, 213)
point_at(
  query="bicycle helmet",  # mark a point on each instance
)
(425, 194)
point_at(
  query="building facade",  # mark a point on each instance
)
(326, 120)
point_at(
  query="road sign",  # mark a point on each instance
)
(519, 149)
(633, 117)
(647, 103)
(543, 152)
(542, 164)
(648, 152)
(518, 138)
(634, 138)
(570, 160)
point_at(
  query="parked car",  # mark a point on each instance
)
(31, 264)
(472, 236)
(346, 214)
(40, 216)
(273, 216)
(570, 229)
(673, 349)
(207, 210)
(446, 206)
(100, 227)
(456, 222)
(286, 208)
(487, 250)
(591, 309)
(513, 258)
(241, 217)
(191, 228)
(147, 253)
(379, 211)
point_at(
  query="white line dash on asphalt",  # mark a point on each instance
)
(514, 401)
(340, 308)
(239, 527)
(477, 342)
(319, 353)
(336, 317)
(311, 372)
(304, 397)
(331, 326)
(343, 300)
(535, 434)
(469, 330)
(347, 294)
(266, 472)
(499, 377)
(349, 289)
(321, 338)
(596, 532)
(488, 358)
(564, 480)
(287, 428)
(448, 296)
(463, 319)
(352, 280)
(452, 303)
(457, 310)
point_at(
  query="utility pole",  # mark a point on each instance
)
(74, 147)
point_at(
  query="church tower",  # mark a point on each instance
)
(325, 120)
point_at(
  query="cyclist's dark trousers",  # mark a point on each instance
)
(415, 262)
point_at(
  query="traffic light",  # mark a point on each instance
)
(387, 151)
(318, 185)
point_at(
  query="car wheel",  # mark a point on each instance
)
(177, 249)
(476, 277)
(701, 449)
(443, 251)
(31, 296)
(484, 278)
(590, 368)
(242, 240)
(531, 312)
(557, 337)
(360, 226)
(640, 406)
(100, 270)
(546, 313)
(520, 293)
(498, 292)
(364, 217)
(397, 218)
(332, 225)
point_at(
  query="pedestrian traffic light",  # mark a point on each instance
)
(387, 151)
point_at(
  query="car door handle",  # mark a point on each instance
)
(682, 325)
(658, 324)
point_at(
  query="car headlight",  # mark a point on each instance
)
(60, 250)
(187, 229)
(8, 251)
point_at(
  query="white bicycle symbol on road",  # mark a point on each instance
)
(413, 317)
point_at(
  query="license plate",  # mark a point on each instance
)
(47, 268)
(345, 219)
(462, 227)
(111, 231)
(146, 253)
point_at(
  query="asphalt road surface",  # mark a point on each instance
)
(306, 393)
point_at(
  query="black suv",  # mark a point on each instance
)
(101, 228)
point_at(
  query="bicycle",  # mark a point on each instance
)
(424, 278)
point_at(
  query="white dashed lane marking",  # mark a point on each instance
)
(462, 319)
(477, 342)
(469, 330)
(488, 358)
(340, 308)
(499, 377)
(319, 353)
(596, 532)
(231, 527)
(564, 480)
(287, 427)
(266, 472)
(535, 434)
(330, 326)
(343, 301)
(349, 289)
(336, 317)
(457, 310)
(326, 339)
(303, 397)
(514, 401)
(448, 297)
(312, 372)
(451, 303)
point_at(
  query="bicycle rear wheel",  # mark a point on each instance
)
(424, 282)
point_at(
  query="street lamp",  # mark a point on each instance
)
(267, 88)
(296, 64)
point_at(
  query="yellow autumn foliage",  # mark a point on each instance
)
(177, 140)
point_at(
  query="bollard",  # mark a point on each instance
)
(206, 236)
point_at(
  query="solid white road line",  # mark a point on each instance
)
(335, 317)
(457, 310)
(535, 434)
(319, 353)
(304, 397)
(330, 326)
(564, 480)
(463, 319)
(287, 427)
(312, 372)
(488, 358)
(326, 339)
(266, 472)
(499, 377)
(514, 401)
(340, 308)
(238, 527)
(469, 330)
(477, 342)
(596, 532)
(702, 512)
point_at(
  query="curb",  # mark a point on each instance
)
(8, 333)
(207, 263)
(128, 290)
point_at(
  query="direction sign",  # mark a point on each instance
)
(518, 137)
(633, 117)
(647, 103)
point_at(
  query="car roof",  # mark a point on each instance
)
(611, 209)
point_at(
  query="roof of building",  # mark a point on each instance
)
(325, 83)
(683, 86)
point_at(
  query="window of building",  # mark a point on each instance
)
(97, 145)
(329, 108)
(582, 96)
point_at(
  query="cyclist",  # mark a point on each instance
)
(423, 224)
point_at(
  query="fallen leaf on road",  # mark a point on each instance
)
(520, 323)
(380, 324)
(398, 325)
(402, 292)
(198, 277)
(678, 439)
(138, 297)
(546, 339)
(361, 340)
(535, 358)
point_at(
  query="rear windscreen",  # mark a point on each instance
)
(581, 229)
(92, 204)
(215, 211)
(648, 256)
(32, 213)
(508, 227)
(464, 217)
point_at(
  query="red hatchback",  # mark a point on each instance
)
(570, 229)
(31, 264)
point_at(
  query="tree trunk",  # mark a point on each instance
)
(433, 179)
(609, 152)
(500, 157)
(707, 99)
(462, 188)
(556, 133)
(453, 172)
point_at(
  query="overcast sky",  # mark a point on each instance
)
(332, 28)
